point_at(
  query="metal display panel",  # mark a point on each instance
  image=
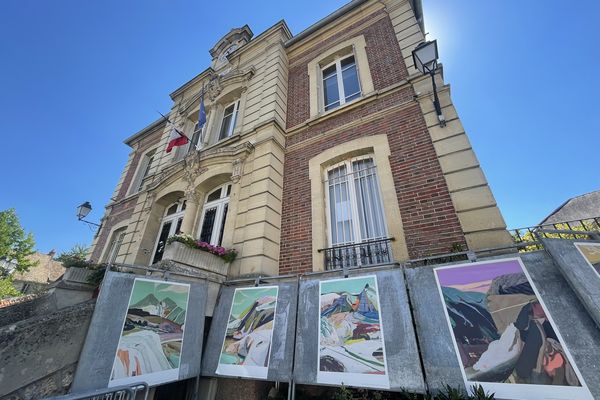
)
(315, 359)
(103, 339)
(577, 329)
(249, 331)
(574, 260)
(437, 349)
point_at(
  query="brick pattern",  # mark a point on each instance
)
(431, 225)
(383, 53)
(119, 213)
(144, 145)
(122, 211)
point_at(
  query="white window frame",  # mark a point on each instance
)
(115, 245)
(220, 204)
(144, 167)
(356, 231)
(173, 218)
(340, 81)
(229, 133)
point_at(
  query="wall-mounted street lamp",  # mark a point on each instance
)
(425, 57)
(83, 210)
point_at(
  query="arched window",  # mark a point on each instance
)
(214, 214)
(171, 225)
(115, 245)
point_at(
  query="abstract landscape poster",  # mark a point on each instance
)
(247, 344)
(591, 253)
(152, 337)
(351, 345)
(504, 338)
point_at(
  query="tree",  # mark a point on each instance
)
(76, 257)
(15, 245)
(7, 289)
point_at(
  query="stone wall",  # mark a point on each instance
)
(34, 306)
(38, 355)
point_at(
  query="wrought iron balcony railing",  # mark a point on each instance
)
(368, 253)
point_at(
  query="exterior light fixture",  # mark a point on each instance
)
(425, 57)
(83, 210)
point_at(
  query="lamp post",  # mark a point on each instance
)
(83, 210)
(425, 57)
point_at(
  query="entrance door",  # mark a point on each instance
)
(171, 225)
(162, 241)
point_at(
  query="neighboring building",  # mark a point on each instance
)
(39, 277)
(318, 150)
(582, 207)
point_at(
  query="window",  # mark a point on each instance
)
(357, 228)
(115, 245)
(229, 119)
(144, 170)
(214, 214)
(340, 82)
(171, 225)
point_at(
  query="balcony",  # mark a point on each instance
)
(368, 253)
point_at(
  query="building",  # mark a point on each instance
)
(582, 207)
(321, 150)
(39, 277)
(323, 139)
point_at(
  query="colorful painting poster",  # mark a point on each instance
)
(351, 345)
(247, 345)
(504, 337)
(591, 253)
(152, 337)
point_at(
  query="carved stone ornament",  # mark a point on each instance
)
(236, 174)
(214, 88)
(192, 195)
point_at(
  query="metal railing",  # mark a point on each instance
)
(115, 393)
(368, 253)
(526, 239)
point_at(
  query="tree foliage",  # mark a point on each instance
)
(15, 245)
(7, 289)
(76, 257)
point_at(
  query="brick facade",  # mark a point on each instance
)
(122, 211)
(430, 222)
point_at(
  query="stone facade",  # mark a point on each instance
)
(435, 197)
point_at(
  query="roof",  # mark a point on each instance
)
(150, 128)
(584, 206)
(47, 270)
(415, 4)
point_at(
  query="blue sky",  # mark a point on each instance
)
(78, 77)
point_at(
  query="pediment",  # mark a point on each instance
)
(239, 36)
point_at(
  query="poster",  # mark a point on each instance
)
(152, 337)
(350, 332)
(591, 253)
(247, 344)
(504, 337)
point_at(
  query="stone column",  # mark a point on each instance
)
(193, 199)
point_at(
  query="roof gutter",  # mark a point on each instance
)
(318, 25)
(417, 6)
(145, 131)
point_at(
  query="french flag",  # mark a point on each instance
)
(176, 139)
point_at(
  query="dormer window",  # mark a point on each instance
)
(229, 119)
(340, 82)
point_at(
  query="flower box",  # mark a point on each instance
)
(198, 259)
